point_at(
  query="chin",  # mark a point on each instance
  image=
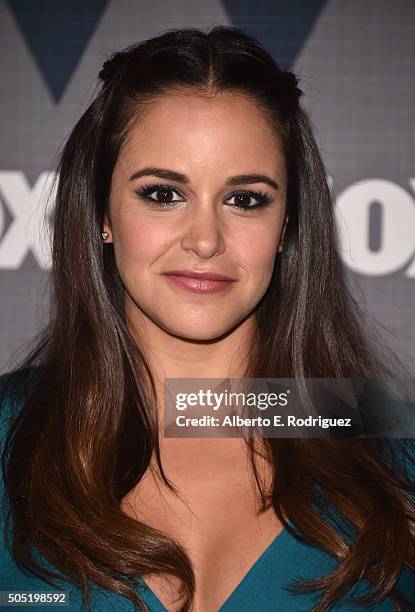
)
(198, 331)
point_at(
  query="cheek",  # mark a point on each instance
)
(257, 251)
(138, 244)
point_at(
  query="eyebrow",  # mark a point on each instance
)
(171, 175)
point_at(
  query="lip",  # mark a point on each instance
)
(196, 282)
(199, 274)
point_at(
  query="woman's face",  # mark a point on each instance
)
(192, 208)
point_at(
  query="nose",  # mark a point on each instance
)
(203, 233)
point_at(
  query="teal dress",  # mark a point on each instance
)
(261, 590)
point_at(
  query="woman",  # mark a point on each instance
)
(196, 157)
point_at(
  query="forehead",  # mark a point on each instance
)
(188, 129)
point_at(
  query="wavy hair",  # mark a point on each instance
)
(87, 430)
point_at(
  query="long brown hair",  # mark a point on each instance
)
(87, 430)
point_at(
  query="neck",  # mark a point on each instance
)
(172, 356)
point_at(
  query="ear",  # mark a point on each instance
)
(106, 227)
(282, 235)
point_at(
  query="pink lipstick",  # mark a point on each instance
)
(197, 281)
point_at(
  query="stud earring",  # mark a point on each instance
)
(104, 235)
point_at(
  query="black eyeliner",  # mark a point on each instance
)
(264, 199)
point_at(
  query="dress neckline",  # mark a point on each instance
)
(282, 537)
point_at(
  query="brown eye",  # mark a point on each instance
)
(243, 200)
(164, 194)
